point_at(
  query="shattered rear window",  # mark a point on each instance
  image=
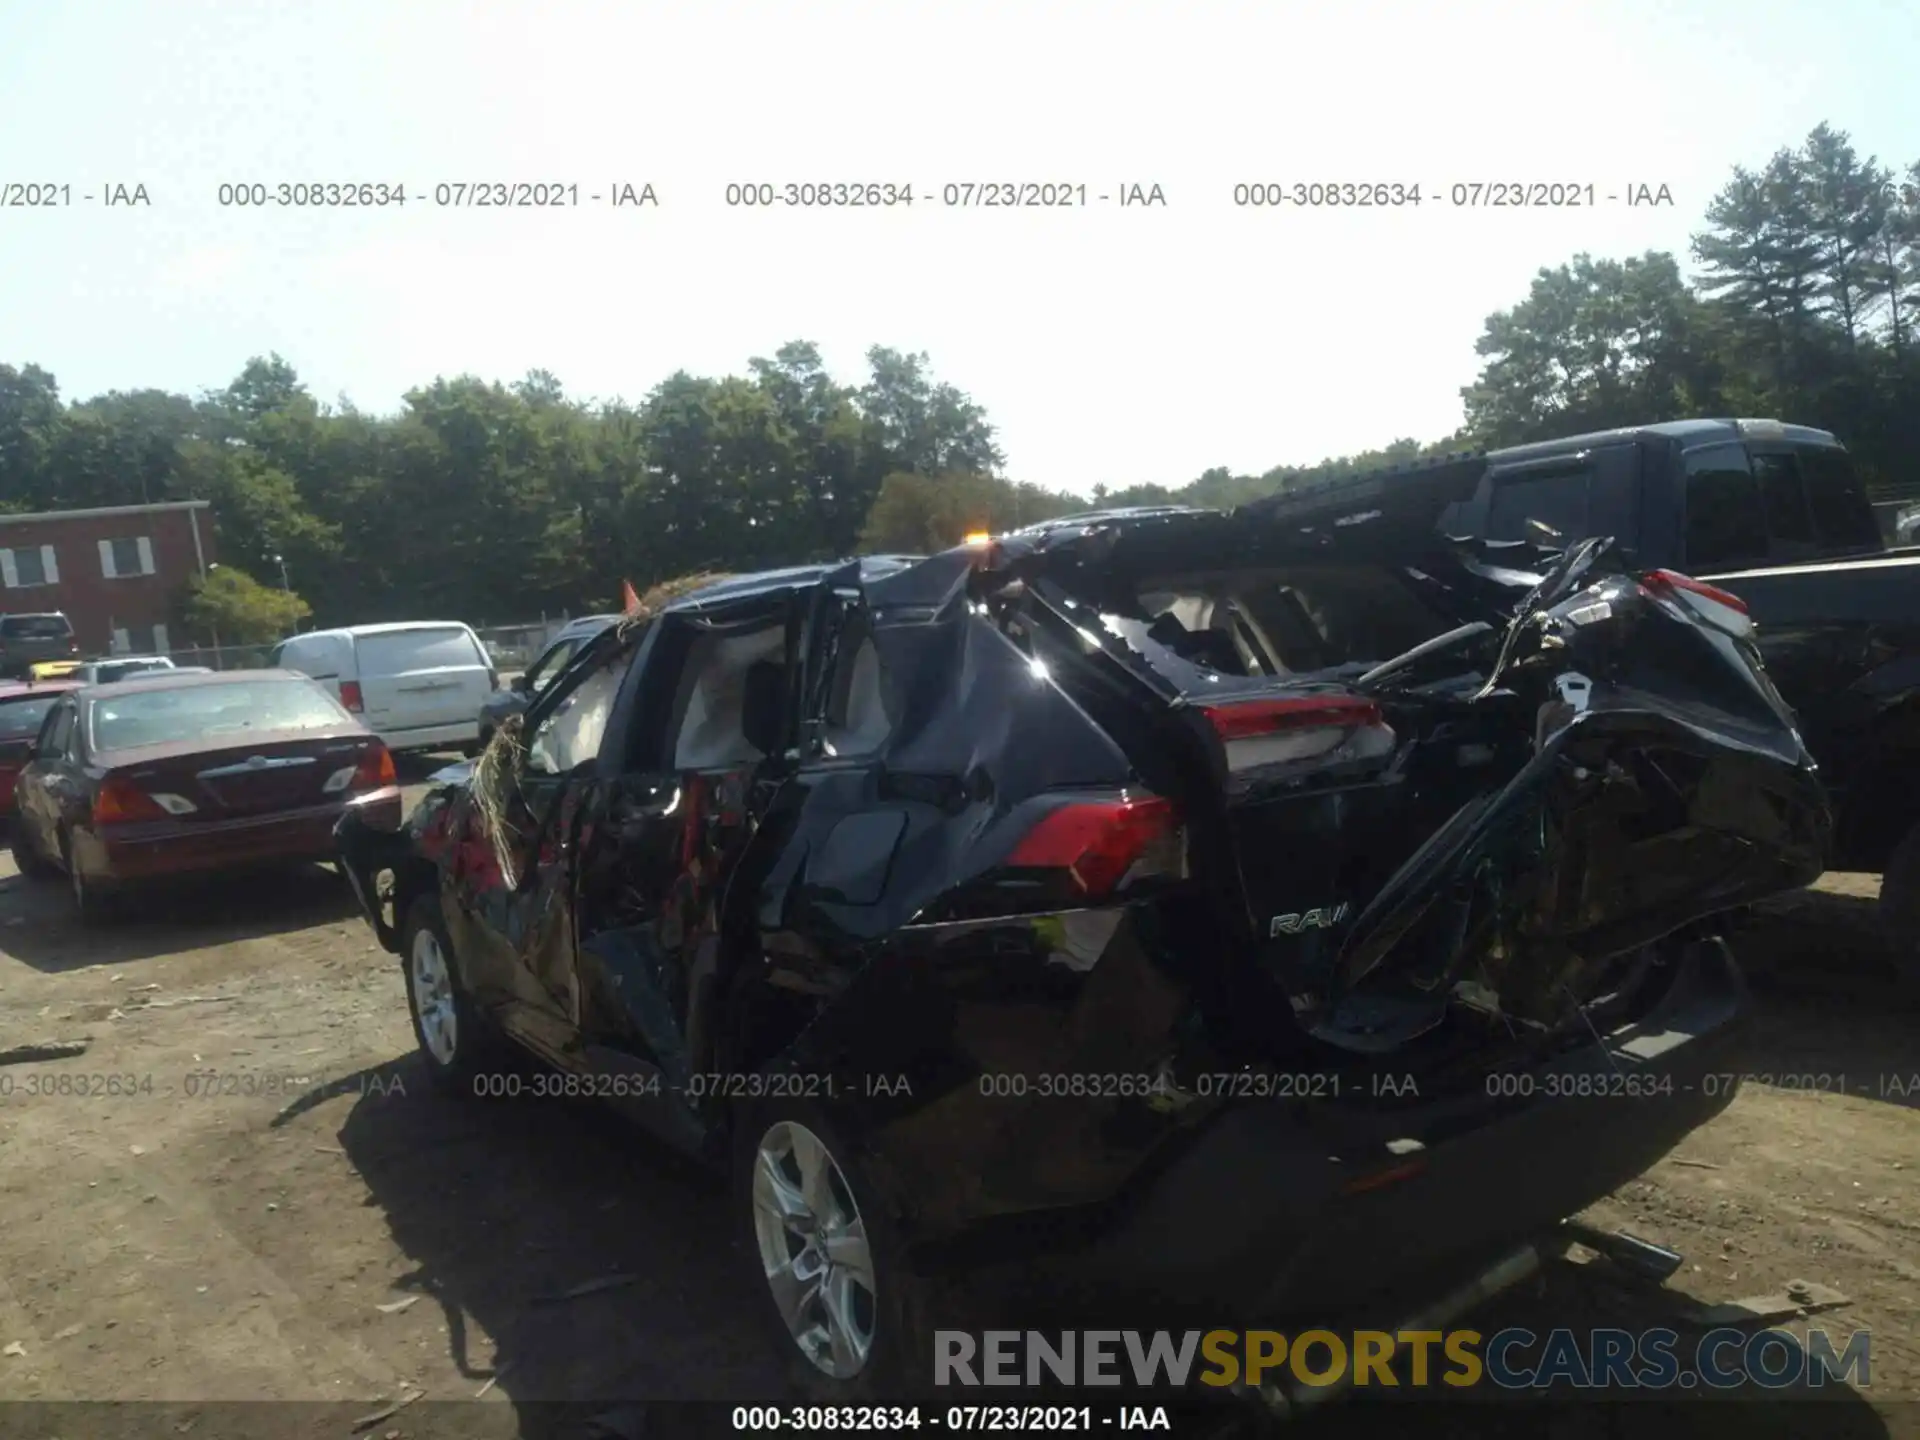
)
(210, 712)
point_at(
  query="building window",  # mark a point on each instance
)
(121, 644)
(121, 558)
(28, 566)
(162, 643)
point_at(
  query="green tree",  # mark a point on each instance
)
(1596, 343)
(229, 603)
(31, 421)
(1761, 255)
(926, 428)
(1850, 202)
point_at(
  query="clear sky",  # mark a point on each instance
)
(1108, 345)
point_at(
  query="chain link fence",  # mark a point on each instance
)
(514, 647)
(223, 657)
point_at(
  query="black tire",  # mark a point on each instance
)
(1900, 907)
(899, 1362)
(27, 860)
(476, 1051)
(94, 903)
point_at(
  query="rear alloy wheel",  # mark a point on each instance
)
(455, 1040)
(27, 860)
(842, 1305)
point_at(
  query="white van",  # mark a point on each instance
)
(417, 685)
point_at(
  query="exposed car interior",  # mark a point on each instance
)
(1269, 622)
(726, 688)
(856, 717)
(571, 735)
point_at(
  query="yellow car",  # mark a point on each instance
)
(52, 669)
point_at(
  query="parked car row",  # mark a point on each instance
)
(419, 685)
(174, 772)
(130, 769)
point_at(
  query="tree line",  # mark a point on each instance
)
(494, 503)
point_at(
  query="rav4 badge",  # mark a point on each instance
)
(1323, 918)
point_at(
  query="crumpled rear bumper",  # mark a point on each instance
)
(1276, 1212)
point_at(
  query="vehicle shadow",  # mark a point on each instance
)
(1821, 942)
(585, 1271)
(597, 1263)
(39, 927)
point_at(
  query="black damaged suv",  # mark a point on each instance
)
(1303, 912)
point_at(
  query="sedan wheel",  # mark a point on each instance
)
(433, 1001)
(27, 860)
(814, 1250)
(90, 902)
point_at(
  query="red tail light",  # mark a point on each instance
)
(1097, 842)
(1242, 720)
(376, 770)
(121, 802)
(351, 698)
(1717, 607)
(1301, 727)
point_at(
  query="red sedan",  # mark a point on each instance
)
(23, 708)
(173, 774)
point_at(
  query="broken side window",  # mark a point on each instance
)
(570, 736)
(851, 714)
(709, 728)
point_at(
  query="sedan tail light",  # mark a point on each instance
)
(374, 772)
(1719, 608)
(121, 802)
(1096, 842)
(351, 698)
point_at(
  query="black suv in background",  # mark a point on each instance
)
(26, 640)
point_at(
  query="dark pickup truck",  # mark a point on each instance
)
(1774, 514)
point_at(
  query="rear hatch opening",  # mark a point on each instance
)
(1398, 873)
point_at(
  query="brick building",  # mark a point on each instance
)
(116, 572)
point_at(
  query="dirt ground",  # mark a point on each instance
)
(258, 1198)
